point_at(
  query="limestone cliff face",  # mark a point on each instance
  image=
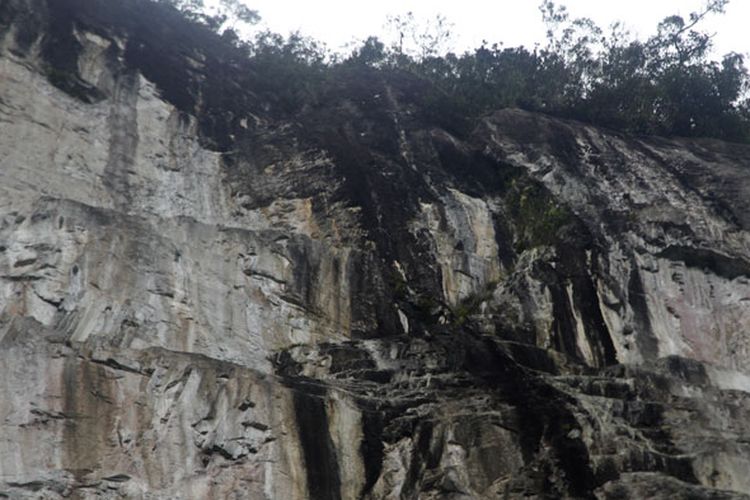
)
(204, 297)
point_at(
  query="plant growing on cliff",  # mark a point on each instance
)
(537, 216)
(665, 84)
(472, 303)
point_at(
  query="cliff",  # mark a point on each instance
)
(205, 296)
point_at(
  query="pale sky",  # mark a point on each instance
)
(514, 22)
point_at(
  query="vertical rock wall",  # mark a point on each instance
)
(204, 297)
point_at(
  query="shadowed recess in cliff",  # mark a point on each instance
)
(321, 462)
(372, 447)
(647, 343)
(708, 260)
(544, 418)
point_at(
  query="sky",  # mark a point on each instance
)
(513, 22)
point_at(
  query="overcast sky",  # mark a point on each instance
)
(514, 22)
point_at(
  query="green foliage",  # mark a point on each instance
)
(398, 282)
(290, 71)
(536, 214)
(372, 53)
(666, 84)
(426, 304)
(470, 305)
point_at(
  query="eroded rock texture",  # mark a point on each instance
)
(202, 296)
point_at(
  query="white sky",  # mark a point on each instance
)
(514, 22)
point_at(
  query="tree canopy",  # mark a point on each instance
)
(666, 84)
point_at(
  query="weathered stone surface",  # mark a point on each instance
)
(200, 300)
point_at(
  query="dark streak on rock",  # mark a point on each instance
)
(30, 485)
(708, 260)
(321, 462)
(123, 138)
(647, 342)
(21, 278)
(24, 262)
(111, 363)
(118, 478)
(371, 448)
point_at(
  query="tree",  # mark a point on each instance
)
(372, 52)
(225, 16)
(418, 40)
(677, 42)
(667, 84)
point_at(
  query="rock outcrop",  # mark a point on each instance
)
(202, 296)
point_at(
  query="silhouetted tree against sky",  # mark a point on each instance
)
(665, 84)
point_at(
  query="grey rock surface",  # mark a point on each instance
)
(354, 302)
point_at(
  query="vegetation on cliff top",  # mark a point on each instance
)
(667, 84)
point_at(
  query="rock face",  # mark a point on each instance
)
(203, 297)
